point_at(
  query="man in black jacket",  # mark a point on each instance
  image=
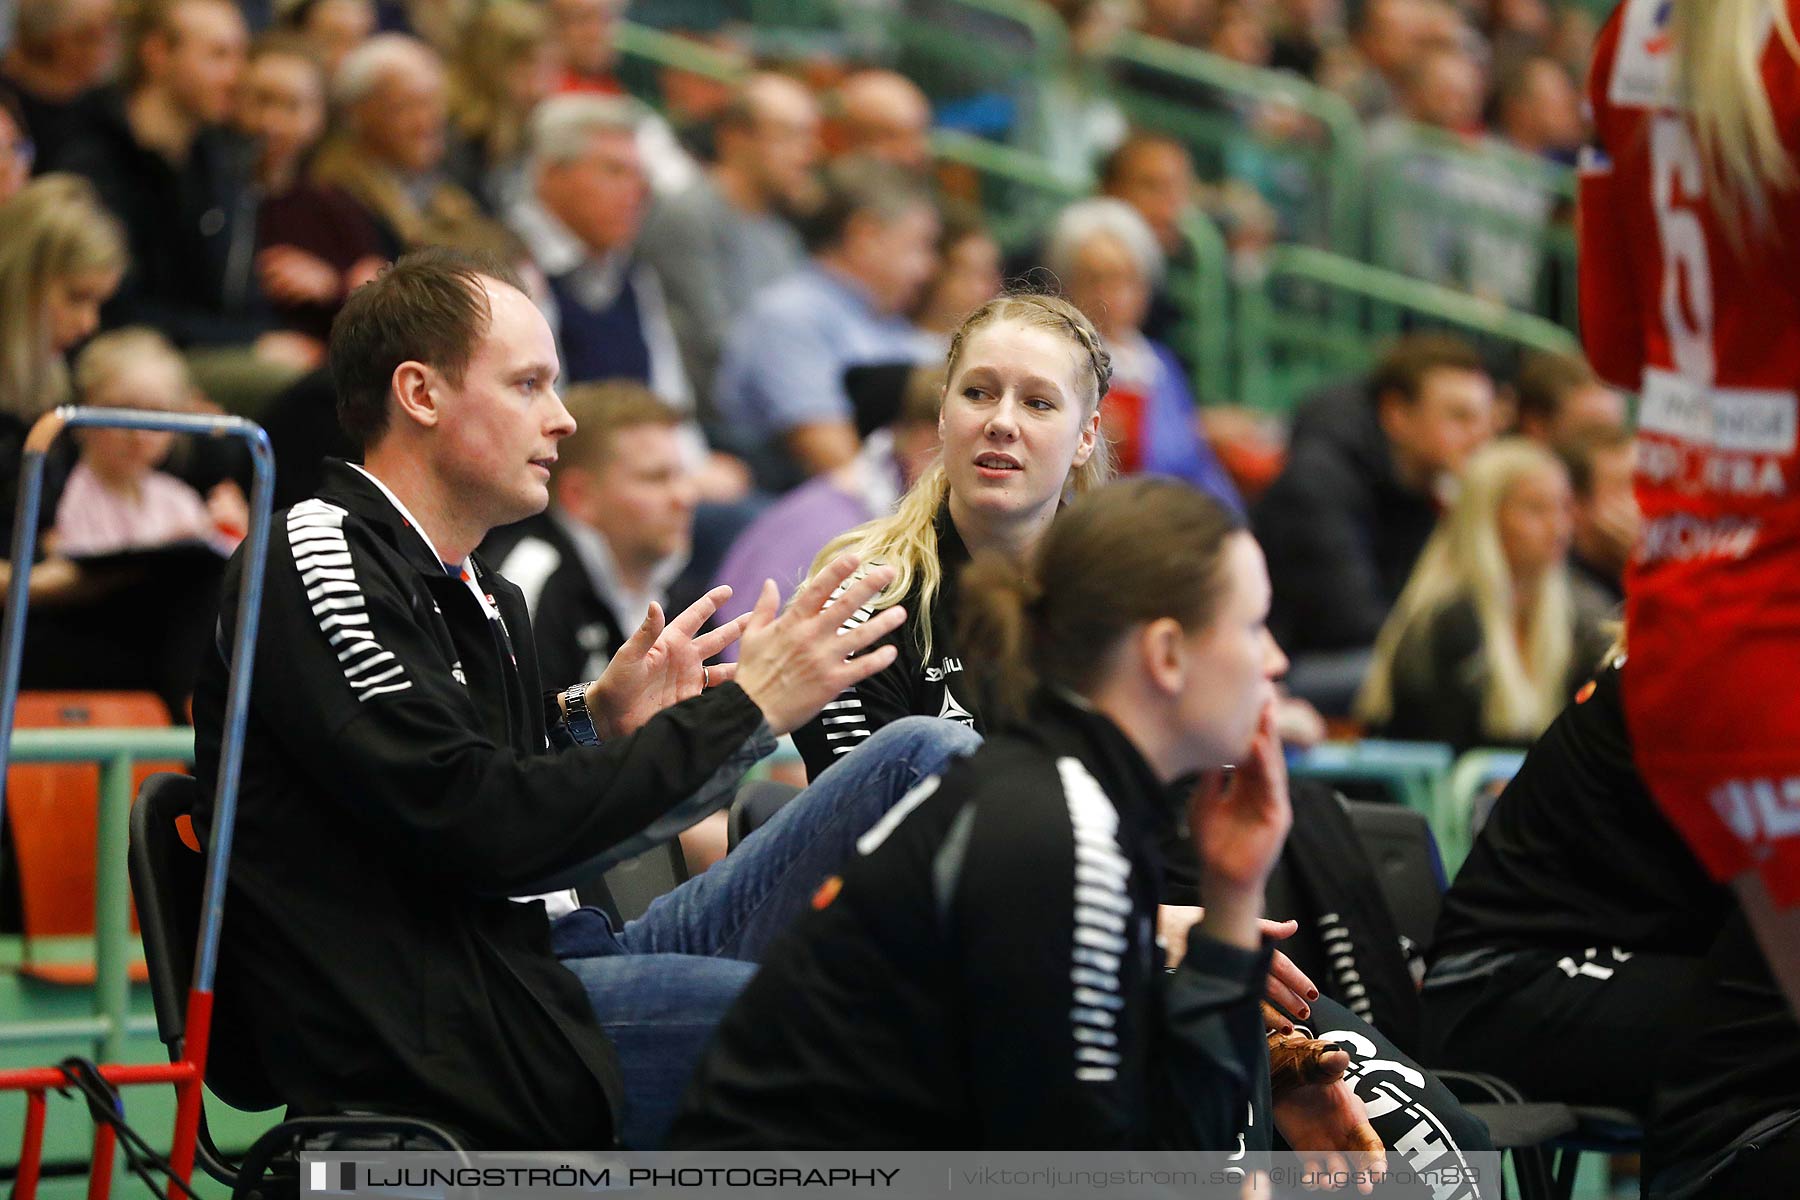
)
(1366, 472)
(157, 154)
(398, 785)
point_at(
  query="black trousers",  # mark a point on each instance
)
(1586, 1027)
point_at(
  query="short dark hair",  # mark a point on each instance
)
(1409, 360)
(1546, 380)
(1112, 167)
(427, 307)
(863, 185)
(1578, 456)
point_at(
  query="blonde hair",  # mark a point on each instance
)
(111, 354)
(907, 540)
(1463, 560)
(54, 228)
(501, 35)
(1719, 45)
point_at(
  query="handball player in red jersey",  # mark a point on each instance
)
(1690, 295)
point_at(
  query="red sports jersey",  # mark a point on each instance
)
(1708, 333)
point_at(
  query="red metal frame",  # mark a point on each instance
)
(187, 1074)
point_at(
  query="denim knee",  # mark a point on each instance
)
(925, 743)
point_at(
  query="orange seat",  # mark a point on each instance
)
(53, 812)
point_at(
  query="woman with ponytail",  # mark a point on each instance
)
(985, 972)
(1020, 426)
(1689, 253)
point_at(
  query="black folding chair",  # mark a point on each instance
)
(168, 871)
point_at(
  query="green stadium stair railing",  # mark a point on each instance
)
(1507, 218)
(1334, 169)
(1284, 350)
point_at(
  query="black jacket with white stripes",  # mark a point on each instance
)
(914, 684)
(397, 787)
(985, 974)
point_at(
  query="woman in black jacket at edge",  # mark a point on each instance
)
(985, 972)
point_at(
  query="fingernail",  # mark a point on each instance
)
(1312, 993)
(1305, 1012)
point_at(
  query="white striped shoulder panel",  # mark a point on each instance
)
(843, 719)
(1102, 913)
(315, 532)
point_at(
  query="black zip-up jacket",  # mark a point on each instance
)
(1341, 530)
(985, 974)
(914, 684)
(397, 787)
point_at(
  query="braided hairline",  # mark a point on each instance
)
(1067, 318)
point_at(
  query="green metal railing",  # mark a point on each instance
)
(644, 52)
(1333, 166)
(1291, 337)
(1484, 218)
(117, 751)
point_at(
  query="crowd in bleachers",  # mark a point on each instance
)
(773, 257)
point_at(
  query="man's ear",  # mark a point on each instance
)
(1391, 410)
(414, 388)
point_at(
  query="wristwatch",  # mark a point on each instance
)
(576, 718)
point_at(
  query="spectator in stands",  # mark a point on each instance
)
(61, 50)
(1486, 643)
(1388, 37)
(780, 383)
(1154, 174)
(580, 222)
(507, 66)
(17, 151)
(968, 273)
(334, 27)
(583, 34)
(1343, 525)
(617, 531)
(1561, 401)
(160, 158)
(1303, 30)
(1109, 261)
(1186, 22)
(314, 244)
(1443, 88)
(1601, 464)
(116, 498)
(61, 255)
(785, 538)
(886, 117)
(444, 372)
(1537, 109)
(722, 240)
(1474, 225)
(389, 97)
(1240, 33)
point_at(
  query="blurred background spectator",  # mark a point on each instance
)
(1108, 261)
(1487, 642)
(780, 383)
(1367, 471)
(334, 27)
(507, 65)
(17, 151)
(720, 241)
(884, 116)
(314, 244)
(1559, 401)
(1606, 518)
(390, 100)
(61, 50)
(582, 33)
(967, 275)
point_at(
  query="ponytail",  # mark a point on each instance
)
(997, 610)
(1720, 46)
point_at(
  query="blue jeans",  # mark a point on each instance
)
(661, 984)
